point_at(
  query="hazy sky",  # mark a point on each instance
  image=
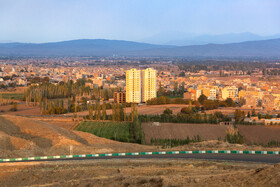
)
(57, 20)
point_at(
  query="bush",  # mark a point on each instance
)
(174, 142)
(233, 136)
(14, 107)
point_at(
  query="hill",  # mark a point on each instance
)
(23, 137)
(100, 47)
(263, 48)
(84, 47)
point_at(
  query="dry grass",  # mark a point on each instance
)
(166, 172)
(23, 109)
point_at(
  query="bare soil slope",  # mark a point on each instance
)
(154, 173)
(21, 137)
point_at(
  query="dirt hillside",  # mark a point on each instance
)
(20, 137)
(142, 172)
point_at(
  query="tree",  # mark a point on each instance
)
(106, 94)
(182, 74)
(121, 111)
(134, 113)
(104, 114)
(167, 111)
(182, 88)
(254, 112)
(248, 115)
(187, 110)
(161, 90)
(210, 104)
(97, 111)
(202, 98)
(230, 102)
(239, 115)
(175, 88)
(14, 107)
(90, 112)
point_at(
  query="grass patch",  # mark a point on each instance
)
(16, 96)
(119, 131)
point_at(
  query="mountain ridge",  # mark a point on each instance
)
(104, 47)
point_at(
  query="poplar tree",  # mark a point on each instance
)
(104, 111)
(90, 112)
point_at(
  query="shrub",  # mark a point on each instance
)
(14, 107)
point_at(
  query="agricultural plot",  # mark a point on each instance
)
(119, 131)
(183, 130)
(259, 134)
(16, 96)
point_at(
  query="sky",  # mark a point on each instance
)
(58, 20)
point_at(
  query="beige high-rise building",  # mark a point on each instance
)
(148, 84)
(140, 85)
(133, 86)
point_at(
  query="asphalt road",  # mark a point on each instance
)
(270, 159)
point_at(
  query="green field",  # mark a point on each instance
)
(17, 96)
(119, 131)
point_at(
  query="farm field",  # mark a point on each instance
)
(259, 134)
(12, 96)
(182, 130)
(119, 131)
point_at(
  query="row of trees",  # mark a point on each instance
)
(178, 90)
(175, 142)
(202, 102)
(98, 112)
(68, 89)
(187, 115)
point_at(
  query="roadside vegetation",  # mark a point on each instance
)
(166, 143)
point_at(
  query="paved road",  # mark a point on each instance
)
(272, 159)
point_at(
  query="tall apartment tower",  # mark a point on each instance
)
(133, 86)
(140, 85)
(148, 84)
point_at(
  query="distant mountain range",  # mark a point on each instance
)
(185, 39)
(102, 47)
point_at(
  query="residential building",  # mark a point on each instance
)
(213, 94)
(268, 102)
(230, 92)
(133, 86)
(119, 97)
(148, 84)
(251, 101)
